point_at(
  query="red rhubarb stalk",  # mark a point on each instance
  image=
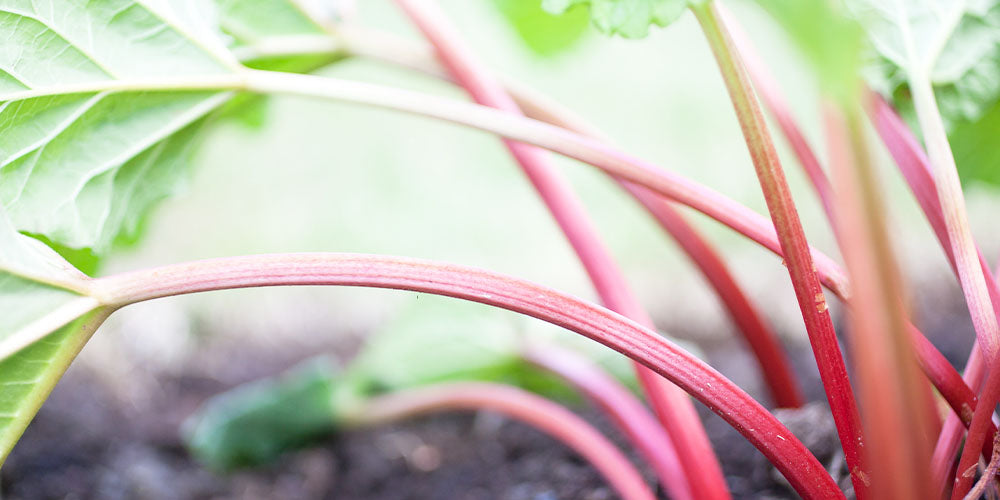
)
(806, 475)
(808, 292)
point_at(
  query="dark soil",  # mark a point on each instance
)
(87, 444)
(84, 446)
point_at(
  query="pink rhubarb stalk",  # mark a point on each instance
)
(971, 274)
(805, 281)
(806, 475)
(536, 411)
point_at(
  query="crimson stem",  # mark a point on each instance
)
(546, 416)
(806, 475)
(795, 248)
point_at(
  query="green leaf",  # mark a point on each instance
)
(544, 33)
(974, 145)
(253, 21)
(628, 18)
(956, 46)
(83, 157)
(28, 377)
(45, 307)
(254, 423)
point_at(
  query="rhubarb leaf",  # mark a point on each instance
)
(628, 18)
(84, 157)
(954, 45)
(254, 21)
(44, 301)
(974, 145)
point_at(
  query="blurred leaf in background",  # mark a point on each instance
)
(436, 340)
(957, 45)
(628, 18)
(831, 42)
(256, 422)
(543, 32)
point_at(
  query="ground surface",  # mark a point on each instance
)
(85, 444)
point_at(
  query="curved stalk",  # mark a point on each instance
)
(673, 407)
(612, 161)
(628, 413)
(808, 292)
(536, 411)
(806, 475)
(628, 168)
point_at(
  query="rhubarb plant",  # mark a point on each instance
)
(101, 104)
